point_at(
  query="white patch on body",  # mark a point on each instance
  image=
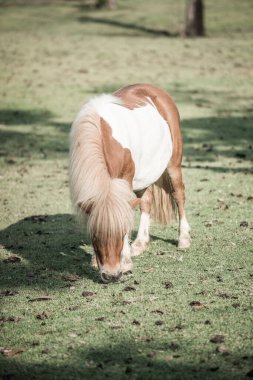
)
(143, 131)
(141, 242)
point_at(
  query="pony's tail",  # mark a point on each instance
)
(164, 206)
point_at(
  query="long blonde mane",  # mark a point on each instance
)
(93, 191)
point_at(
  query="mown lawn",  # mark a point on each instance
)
(162, 322)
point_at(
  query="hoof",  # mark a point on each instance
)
(184, 243)
(138, 247)
(127, 266)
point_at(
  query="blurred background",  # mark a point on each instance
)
(57, 54)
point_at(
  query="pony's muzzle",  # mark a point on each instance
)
(110, 277)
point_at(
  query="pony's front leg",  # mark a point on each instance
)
(142, 239)
(126, 262)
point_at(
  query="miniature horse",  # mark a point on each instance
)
(126, 149)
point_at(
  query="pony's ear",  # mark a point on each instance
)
(135, 202)
(86, 209)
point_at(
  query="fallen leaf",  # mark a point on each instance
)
(12, 259)
(88, 294)
(168, 358)
(160, 312)
(42, 316)
(41, 298)
(128, 360)
(236, 195)
(148, 270)
(240, 155)
(10, 352)
(197, 305)
(151, 354)
(179, 327)
(7, 293)
(37, 218)
(45, 351)
(250, 373)
(217, 339)
(146, 339)
(129, 289)
(159, 323)
(174, 346)
(213, 369)
(74, 307)
(9, 319)
(35, 343)
(10, 161)
(44, 332)
(116, 327)
(71, 277)
(223, 295)
(100, 319)
(73, 335)
(168, 285)
(125, 302)
(222, 350)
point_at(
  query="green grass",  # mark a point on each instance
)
(53, 58)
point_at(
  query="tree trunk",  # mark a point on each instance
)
(110, 4)
(194, 22)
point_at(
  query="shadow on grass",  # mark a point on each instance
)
(48, 246)
(24, 117)
(26, 134)
(210, 139)
(151, 360)
(168, 241)
(126, 26)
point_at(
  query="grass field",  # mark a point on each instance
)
(163, 321)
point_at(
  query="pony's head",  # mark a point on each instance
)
(108, 255)
(109, 220)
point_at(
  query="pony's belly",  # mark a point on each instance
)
(146, 134)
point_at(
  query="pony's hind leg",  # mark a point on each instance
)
(178, 194)
(142, 239)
